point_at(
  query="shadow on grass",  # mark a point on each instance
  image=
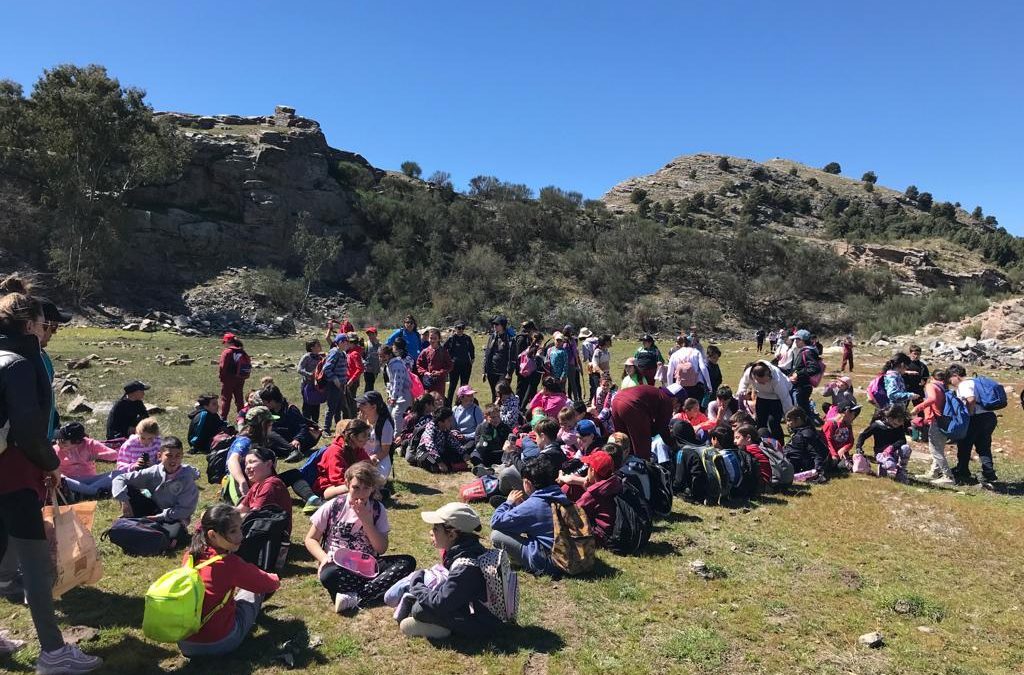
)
(90, 606)
(9, 665)
(657, 549)
(263, 651)
(416, 488)
(511, 641)
(132, 655)
(681, 517)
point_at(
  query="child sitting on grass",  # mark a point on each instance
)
(889, 429)
(172, 489)
(455, 605)
(595, 492)
(204, 423)
(440, 449)
(838, 433)
(509, 404)
(141, 448)
(78, 454)
(523, 525)
(219, 533)
(805, 449)
(350, 526)
(490, 438)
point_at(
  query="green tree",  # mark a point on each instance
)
(638, 195)
(759, 173)
(13, 115)
(912, 192)
(869, 187)
(723, 164)
(440, 179)
(793, 171)
(411, 169)
(93, 142)
(869, 177)
(833, 168)
(977, 213)
(315, 250)
(924, 201)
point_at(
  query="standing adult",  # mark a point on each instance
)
(27, 467)
(520, 343)
(462, 353)
(771, 392)
(979, 432)
(804, 364)
(642, 412)
(53, 317)
(499, 361)
(572, 351)
(411, 334)
(233, 370)
(847, 354)
(371, 361)
(648, 359)
(335, 373)
(434, 363)
(587, 345)
(128, 411)
(600, 363)
(759, 339)
(689, 368)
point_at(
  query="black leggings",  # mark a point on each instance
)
(390, 568)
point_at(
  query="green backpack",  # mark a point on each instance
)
(718, 484)
(174, 603)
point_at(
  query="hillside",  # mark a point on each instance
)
(796, 200)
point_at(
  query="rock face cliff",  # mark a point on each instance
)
(249, 181)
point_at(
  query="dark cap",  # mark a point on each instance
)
(646, 337)
(499, 320)
(135, 385)
(52, 313)
(460, 324)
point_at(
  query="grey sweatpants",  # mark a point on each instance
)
(937, 446)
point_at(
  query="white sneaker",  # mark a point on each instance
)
(345, 602)
(943, 480)
(68, 659)
(410, 627)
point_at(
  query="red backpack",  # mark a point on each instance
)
(239, 364)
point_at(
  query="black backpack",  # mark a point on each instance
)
(217, 458)
(264, 532)
(750, 483)
(139, 536)
(633, 522)
(653, 482)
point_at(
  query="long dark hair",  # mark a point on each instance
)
(354, 428)
(383, 414)
(217, 518)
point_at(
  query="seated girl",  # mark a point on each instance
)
(374, 411)
(551, 398)
(350, 527)
(441, 447)
(467, 415)
(204, 423)
(457, 605)
(78, 454)
(567, 426)
(141, 448)
(347, 449)
(601, 406)
(509, 404)
(838, 433)
(840, 390)
(255, 432)
(594, 492)
(723, 407)
(265, 487)
(171, 487)
(415, 422)
(234, 588)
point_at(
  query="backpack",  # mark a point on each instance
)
(750, 474)
(633, 522)
(217, 459)
(718, 486)
(479, 490)
(501, 581)
(138, 536)
(263, 535)
(686, 374)
(782, 468)
(955, 417)
(243, 367)
(574, 545)
(815, 379)
(653, 482)
(988, 393)
(527, 364)
(876, 392)
(174, 603)
(319, 381)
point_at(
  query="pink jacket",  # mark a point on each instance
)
(79, 461)
(130, 451)
(550, 403)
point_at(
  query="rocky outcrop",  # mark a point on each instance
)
(247, 184)
(917, 273)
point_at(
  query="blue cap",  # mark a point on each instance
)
(804, 335)
(340, 337)
(586, 428)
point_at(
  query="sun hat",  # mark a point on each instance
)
(585, 333)
(465, 390)
(457, 515)
(629, 362)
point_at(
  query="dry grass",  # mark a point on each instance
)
(805, 572)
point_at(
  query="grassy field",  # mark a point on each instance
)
(800, 575)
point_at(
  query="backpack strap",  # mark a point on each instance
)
(227, 596)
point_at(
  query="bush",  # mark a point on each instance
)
(759, 173)
(812, 182)
(693, 174)
(282, 293)
(353, 175)
(903, 314)
(972, 331)
(793, 171)
(869, 187)
(723, 164)
(833, 168)
(638, 195)
(869, 177)
(912, 192)
(411, 169)
(924, 201)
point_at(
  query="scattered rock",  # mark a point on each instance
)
(78, 634)
(873, 640)
(705, 571)
(78, 406)
(80, 364)
(926, 629)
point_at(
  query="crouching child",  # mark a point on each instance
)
(465, 603)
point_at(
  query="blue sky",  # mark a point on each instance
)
(585, 94)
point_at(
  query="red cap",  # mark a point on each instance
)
(371, 329)
(601, 463)
(228, 337)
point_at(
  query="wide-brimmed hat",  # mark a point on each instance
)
(465, 390)
(585, 333)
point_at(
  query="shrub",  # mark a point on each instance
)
(638, 195)
(693, 174)
(833, 168)
(723, 164)
(924, 201)
(793, 171)
(972, 331)
(282, 293)
(977, 213)
(759, 173)
(411, 169)
(869, 187)
(812, 181)
(869, 177)
(353, 175)
(912, 192)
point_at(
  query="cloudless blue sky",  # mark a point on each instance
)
(585, 94)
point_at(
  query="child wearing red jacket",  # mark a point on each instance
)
(347, 448)
(595, 492)
(838, 433)
(230, 614)
(355, 366)
(233, 370)
(747, 438)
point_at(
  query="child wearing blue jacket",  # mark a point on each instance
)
(523, 525)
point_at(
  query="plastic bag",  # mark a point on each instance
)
(76, 560)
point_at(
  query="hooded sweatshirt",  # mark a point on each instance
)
(532, 518)
(25, 402)
(598, 502)
(176, 494)
(777, 388)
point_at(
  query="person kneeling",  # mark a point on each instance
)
(458, 604)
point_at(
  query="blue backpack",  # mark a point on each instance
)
(308, 468)
(955, 417)
(988, 393)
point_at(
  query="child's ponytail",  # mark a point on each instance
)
(217, 518)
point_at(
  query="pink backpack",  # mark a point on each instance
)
(876, 391)
(527, 364)
(860, 464)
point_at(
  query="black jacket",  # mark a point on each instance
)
(26, 399)
(883, 434)
(449, 604)
(461, 349)
(498, 359)
(293, 426)
(807, 450)
(203, 425)
(123, 417)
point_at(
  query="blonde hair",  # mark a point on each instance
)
(150, 425)
(17, 306)
(365, 473)
(265, 380)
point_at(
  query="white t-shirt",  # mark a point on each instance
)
(387, 436)
(965, 390)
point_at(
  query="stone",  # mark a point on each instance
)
(873, 640)
(875, 337)
(181, 321)
(78, 406)
(926, 629)
(881, 343)
(80, 364)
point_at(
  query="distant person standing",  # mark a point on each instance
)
(773, 339)
(233, 370)
(499, 362)
(434, 363)
(371, 361)
(410, 333)
(847, 353)
(462, 352)
(916, 375)
(759, 339)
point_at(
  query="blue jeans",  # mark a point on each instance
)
(247, 608)
(90, 485)
(335, 405)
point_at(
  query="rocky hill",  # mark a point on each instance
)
(796, 200)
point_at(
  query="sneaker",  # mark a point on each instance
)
(986, 484)
(404, 607)
(480, 470)
(943, 480)
(312, 504)
(931, 475)
(295, 456)
(67, 659)
(9, 645)
(345, 602)
(410, 627)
